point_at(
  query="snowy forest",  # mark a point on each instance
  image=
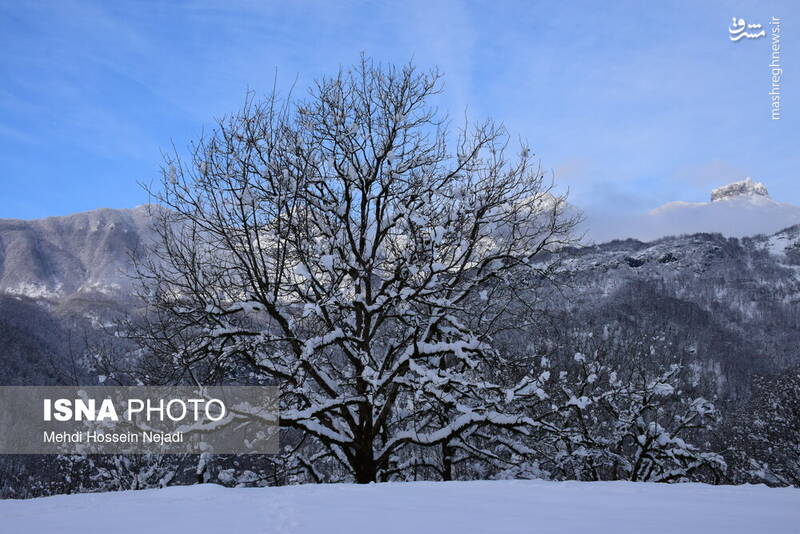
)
(413, 285)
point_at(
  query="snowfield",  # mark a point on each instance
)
(437, 507)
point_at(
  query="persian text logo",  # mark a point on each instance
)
(737, 30)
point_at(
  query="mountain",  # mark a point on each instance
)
(730, 305)
(746, 187)
(738, 209)
(62, 279)
(80, 254)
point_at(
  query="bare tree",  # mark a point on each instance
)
(339, 247)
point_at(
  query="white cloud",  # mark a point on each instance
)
(734, 217)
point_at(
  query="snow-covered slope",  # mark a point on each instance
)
(82, 253)
(61, 278)
(417, 508)
(728, 306)
(737, 209)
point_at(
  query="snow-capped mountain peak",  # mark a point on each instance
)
(746, 187)
(738, 209)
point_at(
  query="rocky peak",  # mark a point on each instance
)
(735, 189)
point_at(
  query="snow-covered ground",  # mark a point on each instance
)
(424, 507)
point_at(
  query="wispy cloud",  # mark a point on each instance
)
(630, 106)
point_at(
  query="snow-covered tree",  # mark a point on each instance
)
(764, 436)
(120, 472)
(353, 250)
(629, 421)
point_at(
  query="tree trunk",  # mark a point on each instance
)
(365, 467)
(447, 462)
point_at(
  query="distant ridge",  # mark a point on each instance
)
(88, 252)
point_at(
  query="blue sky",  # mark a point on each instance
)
(630, 105)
